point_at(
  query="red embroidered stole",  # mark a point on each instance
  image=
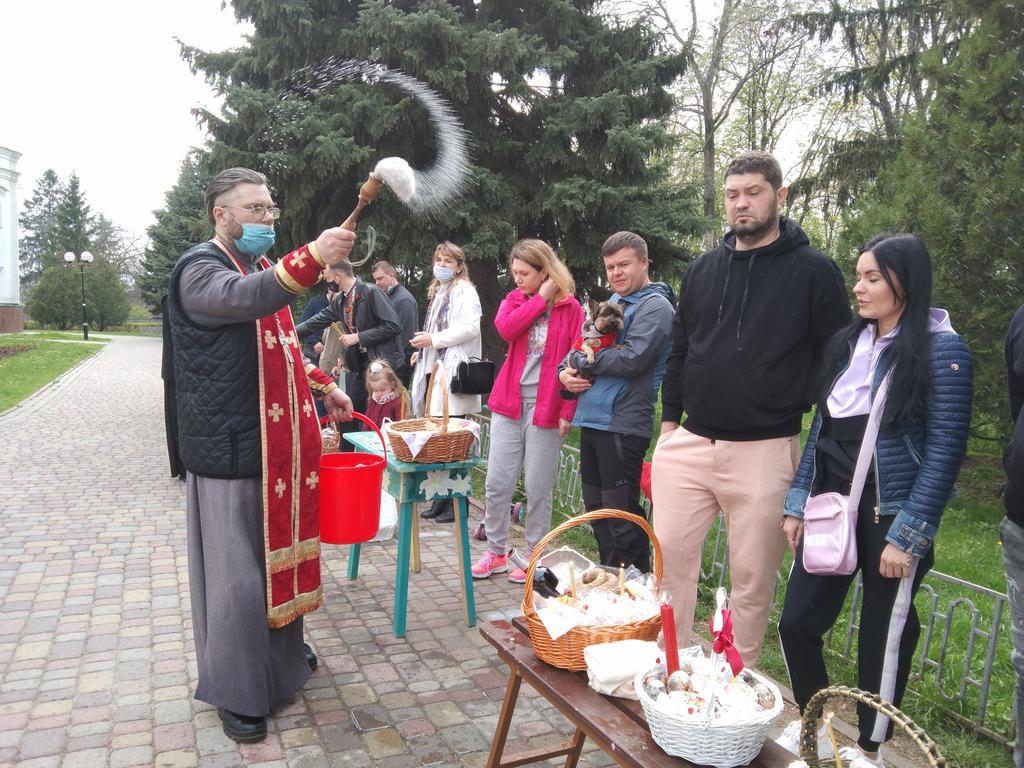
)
(291, 460)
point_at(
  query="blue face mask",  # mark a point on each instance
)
(444, 274)
(256, 239)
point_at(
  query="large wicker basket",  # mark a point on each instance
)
(707, 742)
(566, 652)
(445, 445)
(816, 706)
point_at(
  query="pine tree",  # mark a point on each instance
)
(954, 183)
(38, 224)
(565, 112)
(888, 44)
(74, 223)
(180, 224)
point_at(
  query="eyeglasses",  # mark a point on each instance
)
(259, 211)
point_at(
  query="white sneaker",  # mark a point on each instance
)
(790, 739)
(858, 759)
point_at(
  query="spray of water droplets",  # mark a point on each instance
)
(429, 191)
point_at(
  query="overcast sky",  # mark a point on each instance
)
(99, 88)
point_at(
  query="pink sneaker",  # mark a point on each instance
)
(488, 564)
(518, 576)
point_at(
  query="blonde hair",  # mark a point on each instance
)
(381, 369)
(449, 249)
(542, 257)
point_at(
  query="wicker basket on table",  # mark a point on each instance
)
(566, 652)
(445, 445)
(723, 744)
(816, 706)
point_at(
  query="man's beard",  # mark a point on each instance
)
(756, 229)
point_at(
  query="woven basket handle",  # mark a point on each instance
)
(435, 374)
(597, 514)
(816, 706)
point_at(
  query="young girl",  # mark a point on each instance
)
(388, 398)
(920, 445)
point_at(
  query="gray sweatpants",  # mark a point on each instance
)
(519, 444)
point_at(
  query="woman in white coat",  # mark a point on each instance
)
(452, 335)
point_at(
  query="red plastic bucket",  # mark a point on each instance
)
(350, 485)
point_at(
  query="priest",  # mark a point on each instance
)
(247, 434)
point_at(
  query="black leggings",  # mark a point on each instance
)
(889, 627)
(610, 472)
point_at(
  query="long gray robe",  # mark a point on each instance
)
(244, 665)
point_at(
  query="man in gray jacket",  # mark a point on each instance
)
(616, 405)
(385, 278)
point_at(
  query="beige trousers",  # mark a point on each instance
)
(693, 478)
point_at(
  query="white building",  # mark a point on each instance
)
(10, 295)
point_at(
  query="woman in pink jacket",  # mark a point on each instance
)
(540, 319)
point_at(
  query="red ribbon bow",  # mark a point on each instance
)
(723, 642)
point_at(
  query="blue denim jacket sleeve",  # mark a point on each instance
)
(947, 422)
(800, 489)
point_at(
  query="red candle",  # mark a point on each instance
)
(668, 628)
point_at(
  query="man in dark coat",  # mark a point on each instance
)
(370, 332)
(245, 432)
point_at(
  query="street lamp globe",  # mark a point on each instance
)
(69, 257)
(86, 257)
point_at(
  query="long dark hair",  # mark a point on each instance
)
(905, 258)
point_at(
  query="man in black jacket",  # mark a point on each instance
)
(1011, 531)
(370, 328)
(754, 318)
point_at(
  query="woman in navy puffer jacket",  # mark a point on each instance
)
(920, 446)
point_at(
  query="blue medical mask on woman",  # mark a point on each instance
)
(444, 274)
(256, 239)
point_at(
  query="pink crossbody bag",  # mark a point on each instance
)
(830, 519)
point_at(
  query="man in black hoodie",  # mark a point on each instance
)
(1011, 531)
(755, 316)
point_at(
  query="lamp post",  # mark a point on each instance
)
(84, 258)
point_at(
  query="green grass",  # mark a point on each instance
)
(59, 336)
(25, 372)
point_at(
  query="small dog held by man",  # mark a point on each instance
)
(597, 333)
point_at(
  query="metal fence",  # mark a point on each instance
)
(961, 622)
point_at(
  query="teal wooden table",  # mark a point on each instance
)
(410, 483)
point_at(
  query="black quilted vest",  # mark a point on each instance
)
(216, 381)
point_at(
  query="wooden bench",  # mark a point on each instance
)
(616, 725)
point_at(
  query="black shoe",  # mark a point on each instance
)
(447, 514)
(311, 657)
(242, 728)
(435, 509)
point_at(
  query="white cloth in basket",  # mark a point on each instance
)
(609, 665)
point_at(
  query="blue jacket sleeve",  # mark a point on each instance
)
(800, 488)
(947, 421)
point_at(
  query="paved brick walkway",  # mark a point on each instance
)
(96, 656)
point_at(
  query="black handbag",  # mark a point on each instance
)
(473, 377)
